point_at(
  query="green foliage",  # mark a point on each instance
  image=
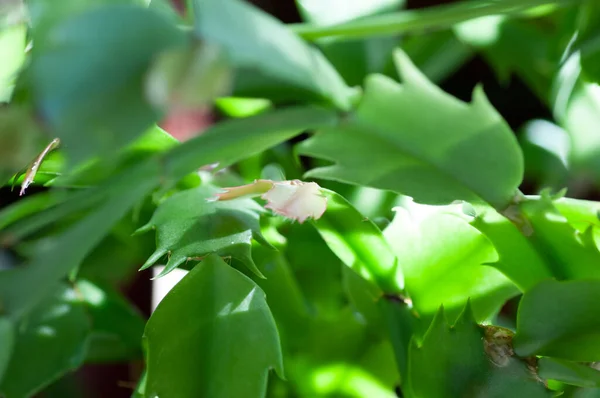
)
(49, 341)
(77, 83)
(356, 302)
(445, 262)
(191, 224)
(239, 28)
(571, 333)
(466, 360)
(569, 372)
(359, 244)
(212, 328)
(388, 126)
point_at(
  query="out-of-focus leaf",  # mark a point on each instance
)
(77, 83)
(500, 40)
(575, 107)
(353, 59)
(359, 243)
(191, 224)
(49, 342)
(240, 29)
(20, 141)
(567, 372)
(117, 328)
(466, 360)
(546, 149)
(342, 360)
(588, 40)
(54, 257)
(7, 337)
(229, 142)
(12, 54)
(437, 54)
(560, 319)
(242, 107)
(386, 144)
(212, 328)
(189, 77)
(140, 389)
(330, 12)
(445, 262)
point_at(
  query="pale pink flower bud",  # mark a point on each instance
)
(295, 199)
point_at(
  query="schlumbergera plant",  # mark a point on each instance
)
(346, 229)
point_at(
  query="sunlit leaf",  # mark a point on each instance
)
(446, 261)
(359, 244)
(386, 144)
(213, 328)
(567, 253)
(12, 52)
(513, 248)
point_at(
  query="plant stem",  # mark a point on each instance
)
(431, 18)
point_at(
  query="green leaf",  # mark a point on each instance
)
(466, 360)
(386, 144)
(77, 83)
(359, 243)
(140, 389)
(581, 214)
(12, 52)
(424, 19)
(575, 105)
(7, 337)
(284, 296)
(330, 12)
(402, 326)
(49, 342)
(560, 319)
(353, 59)
(189, 77)
(513, 248)
(546, 151)
(242, 107)
(229, 142)
(588, 40)
(190, 225)
(500, 41)
(324, 294)
(437, 54)
(213, 335)
(241, 28)
(117, 328)
(567, 253)
(567, 372)
(445, 261)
